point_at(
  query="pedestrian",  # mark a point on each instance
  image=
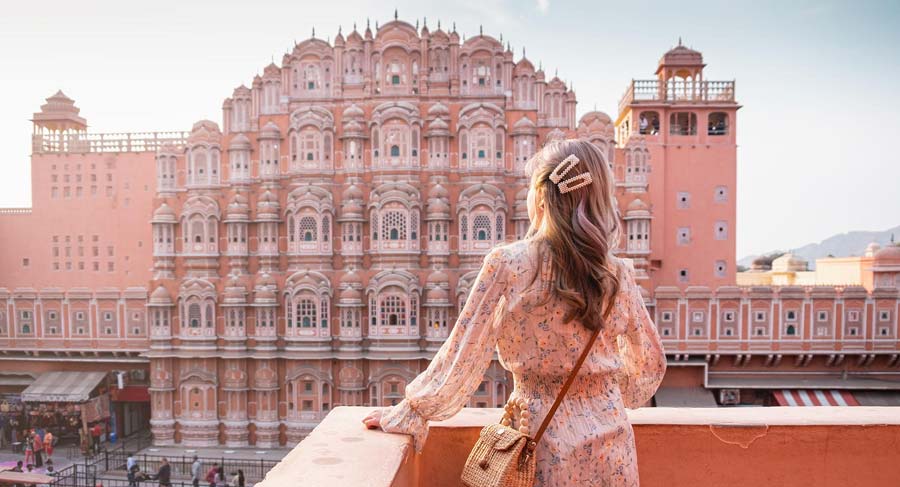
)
(211, 475)
(164, 474)
(237, 479)
(196, 468)
(96, 431)
(29, 453)
(133, 475)
(130, 462)
(38, 449)
(18, 467)
(221, 480)
(48, 444)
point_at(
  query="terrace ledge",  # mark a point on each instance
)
(824, 446)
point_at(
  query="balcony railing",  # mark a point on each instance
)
(80, 143)
(695, 447)
(674, 91)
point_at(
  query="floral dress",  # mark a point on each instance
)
(589, 441)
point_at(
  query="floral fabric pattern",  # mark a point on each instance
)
(589, 440)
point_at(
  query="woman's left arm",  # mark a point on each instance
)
(458, 367)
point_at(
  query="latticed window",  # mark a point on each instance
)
(326, 228)
(308, 229)
(194, 315)
(414, 225)
(306, 313)
(481, 227)
(324, 307)
(209, 316)
(499, 228)
(393, 311)
(464, 226)
(393, 225)
(291, 228)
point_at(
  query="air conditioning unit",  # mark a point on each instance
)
(138, 375)
(729, 397)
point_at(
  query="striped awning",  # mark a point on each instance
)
(814, 397)
(63, 387)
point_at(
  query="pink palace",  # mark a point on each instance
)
(314, 248)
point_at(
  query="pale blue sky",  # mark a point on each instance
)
(818, 80)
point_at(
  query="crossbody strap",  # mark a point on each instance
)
(567, 384)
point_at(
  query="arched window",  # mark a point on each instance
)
(718, 123)
(395, 150)
(392, 310)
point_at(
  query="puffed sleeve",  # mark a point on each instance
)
(641, 352)
(458, 367)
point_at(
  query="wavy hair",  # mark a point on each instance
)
(578, 229)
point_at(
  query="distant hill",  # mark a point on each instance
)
(841, 245)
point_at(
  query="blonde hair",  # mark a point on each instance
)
(581, 227)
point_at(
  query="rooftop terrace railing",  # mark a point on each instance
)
(674, 91)
(80, 143)
(697, 447)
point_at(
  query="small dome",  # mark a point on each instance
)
(238, 207)
(637, 205)
(438, 294)
(235, 292)
(438, 207)
(438, 109)
(160, 296)
(270, 131)
(872, 249)
(437, 277)
(351, 277)
(595, 117)
(265, 279)
(353, 111)
(351, 294)
(438, 124)
(239, 142)
(789, 263)
(352, 192)
(438, 191)
(164, 214)
(888, 255)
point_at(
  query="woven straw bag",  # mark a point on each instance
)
(503, 456)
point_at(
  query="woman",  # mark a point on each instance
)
(221, 480)
(536, 301)
(48, 444)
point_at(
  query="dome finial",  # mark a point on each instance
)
(417, 24)
(439, 24)
(395, 14)
(354, 26)
(339, 29)
(523, 52)
(679, 41)
(314, 32)
(480, 30)
(454, 26)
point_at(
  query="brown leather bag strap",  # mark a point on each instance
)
(566, 385)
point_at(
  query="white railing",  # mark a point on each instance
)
(122, 142)
(676, 91)
(15, 211)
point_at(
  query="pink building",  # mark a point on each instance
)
(314, 249)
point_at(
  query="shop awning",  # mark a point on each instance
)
(877, 398)
(685, 397)
(814, 397)
(63, 387)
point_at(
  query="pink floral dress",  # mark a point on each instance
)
(589, 441)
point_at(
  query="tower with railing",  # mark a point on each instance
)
(673, 130)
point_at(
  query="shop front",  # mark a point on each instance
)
(67, 404)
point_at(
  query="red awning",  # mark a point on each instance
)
(131, 394)
(815, 397)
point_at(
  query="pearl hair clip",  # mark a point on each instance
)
(572, 183)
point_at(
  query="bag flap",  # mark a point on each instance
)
(506, 438)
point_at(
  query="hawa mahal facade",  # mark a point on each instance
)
(314, 248)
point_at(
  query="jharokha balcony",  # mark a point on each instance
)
(696, 447)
